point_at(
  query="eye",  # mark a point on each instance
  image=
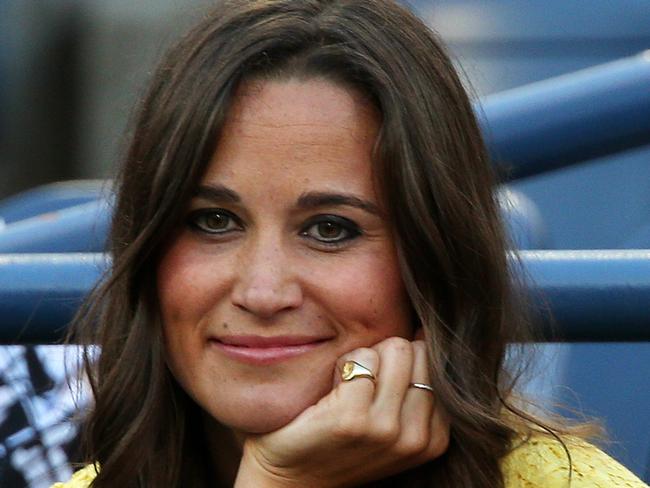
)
(214, 221)
(331, 229)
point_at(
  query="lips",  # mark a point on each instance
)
(268, 342)
(266, 350)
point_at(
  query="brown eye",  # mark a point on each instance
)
(213, 221)
(331, 230)
(216, 221)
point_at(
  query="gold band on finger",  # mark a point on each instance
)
(422, 386)
(352, 370)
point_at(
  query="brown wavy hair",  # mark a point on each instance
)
(429, 163)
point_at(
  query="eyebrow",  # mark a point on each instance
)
(313, 200)
(217, 193)
(307, 201)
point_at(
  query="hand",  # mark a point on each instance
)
(361, 431)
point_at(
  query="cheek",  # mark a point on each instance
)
(186, 288)
(366, 295)
(187, 283)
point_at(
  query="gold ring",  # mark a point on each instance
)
(352, 370)
(422, 386)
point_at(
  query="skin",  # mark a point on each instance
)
(269, 257)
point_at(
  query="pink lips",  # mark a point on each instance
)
(265, 350)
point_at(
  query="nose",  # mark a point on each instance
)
(266, 284)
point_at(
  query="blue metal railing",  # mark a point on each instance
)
(50, 198)
(81, 228)
(569, 119)
(40, 293)
(577, 295)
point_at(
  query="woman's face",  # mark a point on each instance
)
(285, 261)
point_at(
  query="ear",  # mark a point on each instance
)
(419, 334)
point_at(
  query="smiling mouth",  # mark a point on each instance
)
(265, 350)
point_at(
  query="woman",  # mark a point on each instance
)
(309, 284)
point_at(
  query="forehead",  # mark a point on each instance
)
(298, 131)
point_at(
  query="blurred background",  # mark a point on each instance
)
(71, 72)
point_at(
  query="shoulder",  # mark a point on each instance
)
(81, 479)
(542, 461)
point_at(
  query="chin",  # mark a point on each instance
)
(261, 418)
(265, 423)
(261, 412)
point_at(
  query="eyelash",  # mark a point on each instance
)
(349, 229)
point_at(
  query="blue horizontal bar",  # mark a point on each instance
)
(568, 119)
(82, 228)
(40, 293)
(50, 198)
(591, 295)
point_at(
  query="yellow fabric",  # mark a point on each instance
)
(81, 479)
(539, 462)
(542, 462)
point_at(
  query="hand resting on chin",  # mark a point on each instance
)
(361, 431)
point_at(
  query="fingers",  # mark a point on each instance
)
(418, 406)
(426, 423)
(406, 418)
(396, 362)
(423, 425)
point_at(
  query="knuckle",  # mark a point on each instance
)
(413, 444)
(385, 432)
(349, 428)
(397, 344)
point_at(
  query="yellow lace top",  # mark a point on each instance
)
(540, 462)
